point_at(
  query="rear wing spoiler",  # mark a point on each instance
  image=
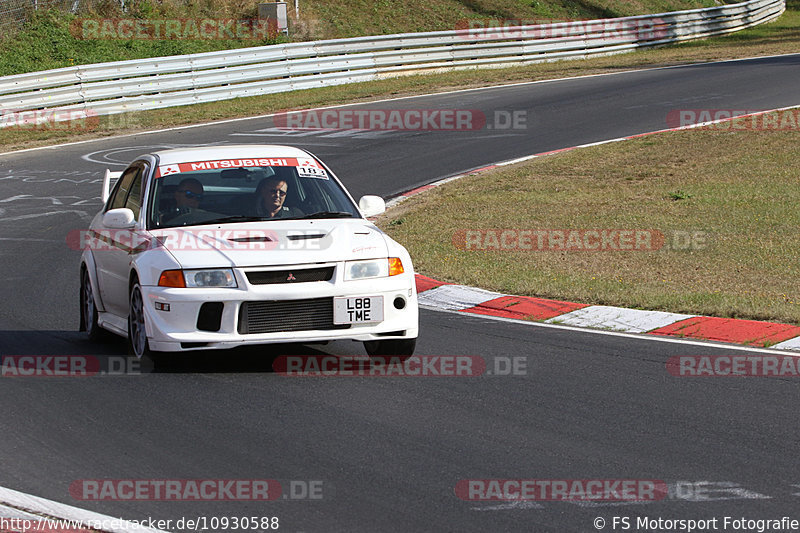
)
(107, 183)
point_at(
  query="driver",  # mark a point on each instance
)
(188, 195)
(270, 196)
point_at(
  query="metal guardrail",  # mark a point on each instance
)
(123, 86)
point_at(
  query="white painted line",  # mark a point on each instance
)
(82, 214)
(639, 336)
(510, 506)
(43, 509)
(455, 297)
(367, 102)
(11, 512)
(790, 344)
(618, 318)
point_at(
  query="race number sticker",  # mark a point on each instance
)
(312, 172)
(309, 168)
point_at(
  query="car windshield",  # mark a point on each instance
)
(189, 194)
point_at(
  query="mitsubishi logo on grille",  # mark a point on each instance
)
(291, 277)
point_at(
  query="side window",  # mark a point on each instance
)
(113, 195)
(120, 194)
(134, 201)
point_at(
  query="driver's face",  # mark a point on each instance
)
(274, 195)
(188, 195)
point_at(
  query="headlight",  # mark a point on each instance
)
(374, 268)
(221, 277)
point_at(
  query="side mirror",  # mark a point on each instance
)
(371, 206)
(120, 218)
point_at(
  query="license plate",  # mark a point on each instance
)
(358, 309)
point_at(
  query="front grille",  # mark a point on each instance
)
(269, 277)
(287, 315)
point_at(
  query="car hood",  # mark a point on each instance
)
(272, 243)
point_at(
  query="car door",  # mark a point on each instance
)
(114, 259)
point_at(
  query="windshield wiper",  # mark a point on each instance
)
(234, 218)
(330, 214)
(244, 218)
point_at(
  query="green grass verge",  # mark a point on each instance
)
(737, 190)
(51, 39)
(351, 18)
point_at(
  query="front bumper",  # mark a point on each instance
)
(177, 329)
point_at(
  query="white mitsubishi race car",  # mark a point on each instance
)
(217, 247)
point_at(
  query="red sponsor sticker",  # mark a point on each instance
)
(303, 162)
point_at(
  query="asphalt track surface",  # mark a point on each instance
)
(390, 451)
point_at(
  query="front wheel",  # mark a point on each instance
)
(89, 311)
(403, 347)
(137, 334)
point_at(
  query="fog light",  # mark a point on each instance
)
(399, 303)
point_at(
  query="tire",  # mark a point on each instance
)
(137, 332)
(89, 313)
(401, 347)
